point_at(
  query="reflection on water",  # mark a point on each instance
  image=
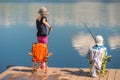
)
(82, 42)
(91, 13)
(17, 28)
(114, 42)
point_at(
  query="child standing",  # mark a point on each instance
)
(42, 31)
(42, 24)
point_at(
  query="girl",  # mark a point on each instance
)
(42, 24)
(42, 33)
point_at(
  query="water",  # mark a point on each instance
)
(69, 39)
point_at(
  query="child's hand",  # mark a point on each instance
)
(50, 28)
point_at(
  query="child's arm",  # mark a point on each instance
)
(49, 27)
(46, 23)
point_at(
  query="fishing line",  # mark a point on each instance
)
(89, 31)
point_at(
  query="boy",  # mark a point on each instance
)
(96, 55)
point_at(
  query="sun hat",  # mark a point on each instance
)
(43, 10)
(99, 40)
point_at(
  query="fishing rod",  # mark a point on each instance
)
(89, 31)
(107, 58)
(48, 31)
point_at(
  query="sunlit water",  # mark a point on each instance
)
(69, 39)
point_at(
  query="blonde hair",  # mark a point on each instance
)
(43, 11)
(99, 40)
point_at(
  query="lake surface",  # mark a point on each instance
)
(69, 39)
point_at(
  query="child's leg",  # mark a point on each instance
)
(90, 68)
(45, 67)
(94, 71)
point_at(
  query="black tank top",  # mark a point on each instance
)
(41, 28)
